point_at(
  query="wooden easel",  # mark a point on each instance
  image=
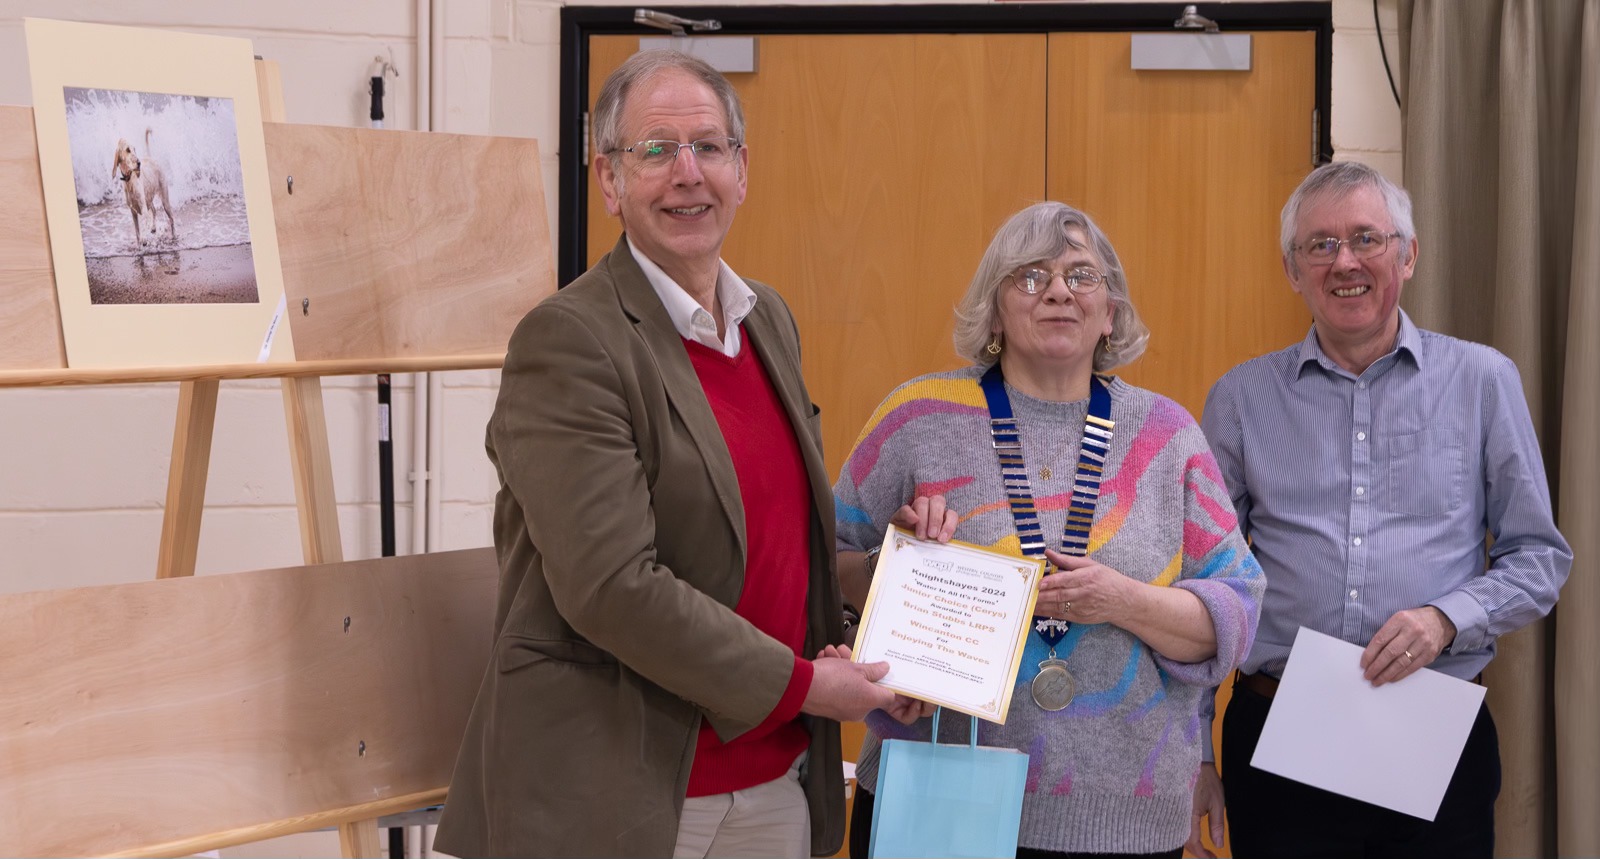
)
(428, 271)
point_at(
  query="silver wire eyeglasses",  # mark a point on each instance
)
(1324, 250)
(1033, 281)
(660, 154)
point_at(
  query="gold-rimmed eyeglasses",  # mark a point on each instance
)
(1081, 280)
(652, 155)
(1323, 250)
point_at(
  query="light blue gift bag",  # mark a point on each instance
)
(953, 801)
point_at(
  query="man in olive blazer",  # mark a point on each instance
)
(620, 531)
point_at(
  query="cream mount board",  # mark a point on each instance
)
(155, 180)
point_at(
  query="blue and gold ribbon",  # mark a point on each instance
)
(1092, 451)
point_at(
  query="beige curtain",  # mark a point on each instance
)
(1501, 109)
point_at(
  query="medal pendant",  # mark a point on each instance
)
(1053, 688)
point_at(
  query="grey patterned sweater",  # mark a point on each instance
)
(1113, 772)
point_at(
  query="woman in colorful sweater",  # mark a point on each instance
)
(1153, 604)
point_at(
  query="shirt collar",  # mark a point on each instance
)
(692, 321)
(1409, 343)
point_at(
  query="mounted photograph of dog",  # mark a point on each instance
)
(175, 161)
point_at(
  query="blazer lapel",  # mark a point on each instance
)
(784, 370)
(665, 345)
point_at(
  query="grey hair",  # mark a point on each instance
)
(643, 66)
(1341, 178)
(1043, 232)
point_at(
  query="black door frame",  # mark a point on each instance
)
(578, 23)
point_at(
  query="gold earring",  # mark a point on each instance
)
(994, 346)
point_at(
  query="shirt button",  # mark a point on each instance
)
(1361, 436)
(1358, 541)
(1353, 594)
(1361, 385)
(1361, 490)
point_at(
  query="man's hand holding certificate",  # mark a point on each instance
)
(951, 620)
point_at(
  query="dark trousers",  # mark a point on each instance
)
(1271, 816)
(861, 837)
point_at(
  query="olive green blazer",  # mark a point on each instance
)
(620, 535)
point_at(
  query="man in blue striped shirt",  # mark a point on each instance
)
(1368, 464)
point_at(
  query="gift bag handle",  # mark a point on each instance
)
(972, 738)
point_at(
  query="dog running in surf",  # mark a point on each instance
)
(143, 184)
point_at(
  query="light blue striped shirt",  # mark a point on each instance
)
(1367, 495)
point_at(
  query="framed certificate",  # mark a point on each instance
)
(951, 620)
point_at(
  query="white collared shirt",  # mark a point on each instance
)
(692, 320)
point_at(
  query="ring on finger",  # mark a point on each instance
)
(1066, 606)
(1409, 657)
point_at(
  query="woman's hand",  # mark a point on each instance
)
(907, 710)
(1171, 621)
(1084, 590)
(928, 518)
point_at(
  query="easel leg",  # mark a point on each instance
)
(186, 479)
(359, 840)
(313, 470)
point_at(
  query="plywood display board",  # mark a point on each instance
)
(405, 244)
(30, 327)
(165, 717)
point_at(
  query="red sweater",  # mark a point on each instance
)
(777, 523)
